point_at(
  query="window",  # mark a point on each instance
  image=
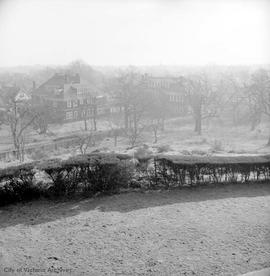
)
(75, 114)
(88, 100)
(81, 101)
(75, 103)
(69, 103)
(69, 115)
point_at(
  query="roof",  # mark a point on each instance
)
(67, 85)
(59, 80)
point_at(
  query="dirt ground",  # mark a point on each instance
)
(223, 230)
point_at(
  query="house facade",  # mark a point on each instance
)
(69, 98)
(173, 90)
(170, 90)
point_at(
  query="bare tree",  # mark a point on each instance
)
(130, 93)
(260, 86)
(236, 98)
(85, 118)
(85, 142)
(115, 126)
(156, 125)
(135, 124)
(254, 107)
(19, 117)
(44, 115)
(203, 99)
(157, 112)
(89, 114)
(244, 102)
(124, 91)
(89, 140)
(94, 117)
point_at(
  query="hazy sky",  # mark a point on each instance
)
(124, 32)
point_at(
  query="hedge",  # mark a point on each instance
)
(16, 184)
(107, 173)
(195, 170)
(86, 174)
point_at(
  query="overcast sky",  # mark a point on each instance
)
(125, 32)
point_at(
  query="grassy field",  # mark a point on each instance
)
(223, 230)
(178, 138)
(178, 134)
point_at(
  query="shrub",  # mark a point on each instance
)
(143, 153)
(16, 184)
(83, 174)
(89, 173)
(163, 148)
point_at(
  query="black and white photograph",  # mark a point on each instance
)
(135, 137)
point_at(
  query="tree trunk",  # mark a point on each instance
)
(198, 124)
(85, 124)
(95, 123)
(126, 117)
(253, 125)
(255, 121)
(115, 137)
(155, 135)
(163, 124)
(95, 118)
(16, 145)
(115, 141)
(135, 122)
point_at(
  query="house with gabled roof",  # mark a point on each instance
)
(67, 95)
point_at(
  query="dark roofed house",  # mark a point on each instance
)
(69, 97)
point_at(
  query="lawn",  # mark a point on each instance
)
(223, 230)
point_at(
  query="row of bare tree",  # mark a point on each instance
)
(146, 108)
(207, 98)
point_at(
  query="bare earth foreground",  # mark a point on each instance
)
(221, 230)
